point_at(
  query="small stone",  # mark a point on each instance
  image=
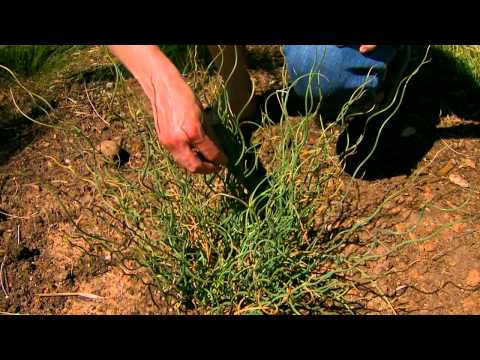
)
(446, 168)
(110, 148)
(429, 246)
(473, 278)
(459, 180)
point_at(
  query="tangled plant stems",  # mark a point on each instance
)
(205, 241)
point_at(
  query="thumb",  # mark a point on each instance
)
(367, 48)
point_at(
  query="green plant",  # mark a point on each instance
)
(29, 60)
(209, 245)
(466, 57)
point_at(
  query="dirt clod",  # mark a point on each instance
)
(110, 148)
(459, 180)
(473, 278)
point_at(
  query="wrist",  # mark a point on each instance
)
(152, 69)
(159, 75)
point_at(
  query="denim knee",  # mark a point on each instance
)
(333, 71)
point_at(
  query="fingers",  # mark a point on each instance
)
(186, 157)
(367, 48)
(210, 151)
(203, 144)
(194, 150)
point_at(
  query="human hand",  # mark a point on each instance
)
(367, 48)
(176, 110)
(178, 123)
(364, 48)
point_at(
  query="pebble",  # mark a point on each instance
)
(110, 148)
(473, 278)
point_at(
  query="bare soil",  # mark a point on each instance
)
(431, 151)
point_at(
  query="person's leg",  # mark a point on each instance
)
(333, 73)
(231, 61)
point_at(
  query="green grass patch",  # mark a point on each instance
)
(208, 244)
(30, 60)
(466, 57)
(211, 246)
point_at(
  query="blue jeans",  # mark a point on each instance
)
(333, 73)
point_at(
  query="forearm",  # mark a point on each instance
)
(149, 66)
(176, 110)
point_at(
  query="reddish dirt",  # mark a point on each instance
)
(437, 272)
(437, 212)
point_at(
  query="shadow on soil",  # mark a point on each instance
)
(17, 132)
(441, 87)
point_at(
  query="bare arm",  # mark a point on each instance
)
(176, 109)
